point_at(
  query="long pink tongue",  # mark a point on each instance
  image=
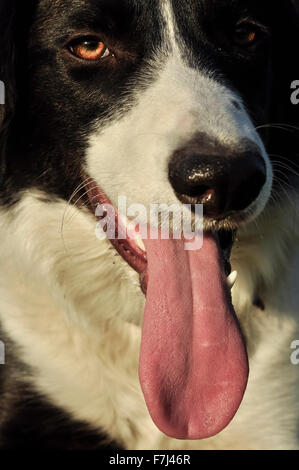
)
(193, 362)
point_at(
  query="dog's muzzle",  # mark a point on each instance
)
(225, 180)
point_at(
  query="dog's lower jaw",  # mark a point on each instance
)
(89, 360)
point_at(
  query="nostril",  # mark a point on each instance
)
(212, 201)
(195, 191)
(208, 197)
(203, 195)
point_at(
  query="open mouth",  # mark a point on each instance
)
(193, 365)
(132, 248)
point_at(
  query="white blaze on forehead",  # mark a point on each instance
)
(170, 23)
(130, 156)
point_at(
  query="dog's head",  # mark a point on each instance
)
(163, 102)
(167, 100)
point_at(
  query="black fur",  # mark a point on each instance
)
(29, 422)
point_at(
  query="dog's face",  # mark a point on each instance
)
(161, 102)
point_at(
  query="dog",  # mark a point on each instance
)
(139, 344)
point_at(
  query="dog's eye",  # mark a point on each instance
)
(89, 48)
(245, 34)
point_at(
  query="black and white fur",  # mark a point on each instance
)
(70, 308)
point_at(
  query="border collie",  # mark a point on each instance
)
(141, 344)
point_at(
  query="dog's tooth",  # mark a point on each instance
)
(140, 243)
(123, 219)
(231, 279)
(128, 224)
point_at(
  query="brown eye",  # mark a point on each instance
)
(89, 48)
(245, 35)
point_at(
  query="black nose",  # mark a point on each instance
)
(223, 179)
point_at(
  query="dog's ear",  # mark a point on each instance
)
(7, 73)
